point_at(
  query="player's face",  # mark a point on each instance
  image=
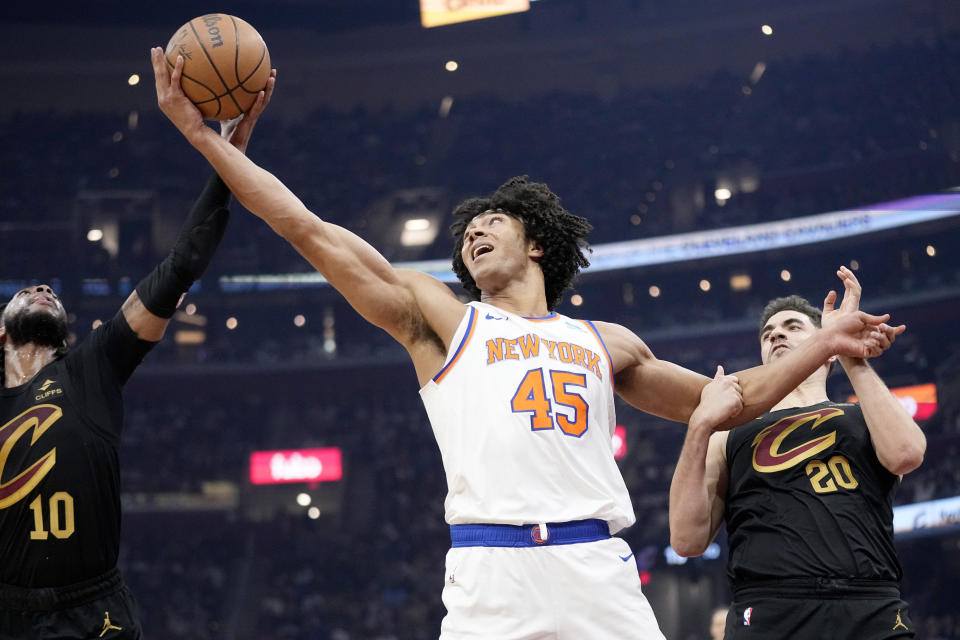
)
(36, 298)
(495, 243)
(784, 331)
(35, 314)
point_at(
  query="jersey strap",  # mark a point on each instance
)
(471, 325)
(593, 329)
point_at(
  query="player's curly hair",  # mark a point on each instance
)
(789, 303)
(560, 234)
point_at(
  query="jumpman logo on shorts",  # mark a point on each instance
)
(107, 625)
(899, 623)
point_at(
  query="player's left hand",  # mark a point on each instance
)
(858, 334)
(238, 130)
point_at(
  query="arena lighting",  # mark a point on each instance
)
(741, 282)
(418, 232)
(445, 105)
(133, 80)
(451, 65)
(189, 336)
(95, 235)
(416, 224)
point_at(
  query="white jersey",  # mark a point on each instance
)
(523, 413)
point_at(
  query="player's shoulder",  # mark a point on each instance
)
(612, 330)
(618, 337)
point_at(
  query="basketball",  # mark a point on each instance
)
(225, 64)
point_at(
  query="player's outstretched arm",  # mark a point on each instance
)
(699, 486)
(673, 392)
(149, 308)
(397, 301)
(897, 439)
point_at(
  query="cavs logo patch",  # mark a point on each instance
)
(36, 419)
(767, 454)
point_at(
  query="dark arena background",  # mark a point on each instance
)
(675, 127)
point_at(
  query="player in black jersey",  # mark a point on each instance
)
(61, 414)
(806, 492)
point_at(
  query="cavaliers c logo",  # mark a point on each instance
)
(767, 456)
(38, 418)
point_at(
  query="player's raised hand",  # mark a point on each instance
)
(238, 130)
(851, 295)
(720, 400)
(170, 97)
(859, 334)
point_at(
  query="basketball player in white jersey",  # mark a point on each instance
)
(519, 397)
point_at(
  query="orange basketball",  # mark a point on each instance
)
(225, 64)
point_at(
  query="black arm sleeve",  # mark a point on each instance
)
(198, 239)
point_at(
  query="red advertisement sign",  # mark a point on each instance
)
(296, 465)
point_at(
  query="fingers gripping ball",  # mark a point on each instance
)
(225, 64)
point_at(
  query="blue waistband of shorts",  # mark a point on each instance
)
(528, 535)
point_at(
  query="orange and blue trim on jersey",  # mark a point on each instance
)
(471, 325)
(603, 344)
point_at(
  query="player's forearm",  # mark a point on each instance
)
(766, 385)
(691, 529)
(897, 439)
(149, 308)
(254, 187)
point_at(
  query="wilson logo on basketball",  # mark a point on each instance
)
(38, 419)
(767, 456)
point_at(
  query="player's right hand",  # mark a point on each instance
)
(171, 99)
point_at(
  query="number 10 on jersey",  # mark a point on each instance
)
(532, 397)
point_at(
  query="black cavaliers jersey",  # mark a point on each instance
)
(59, 473)
(808, 497)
